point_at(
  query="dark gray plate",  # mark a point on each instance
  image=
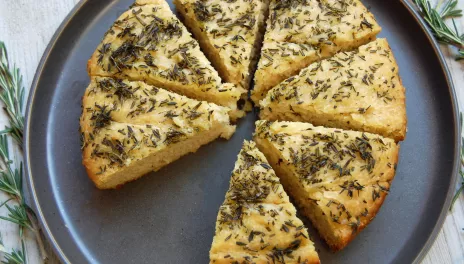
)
(169, 216)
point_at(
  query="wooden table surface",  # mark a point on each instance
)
(26, 26)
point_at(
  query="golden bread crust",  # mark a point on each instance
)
(148, 43)
(338, 178)
(257, 222)
(358, 90)
(302, 32)
(230, 33)
(131, 128)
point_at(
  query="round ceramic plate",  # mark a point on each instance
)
(169, 216)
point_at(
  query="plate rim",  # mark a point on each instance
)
(457, 129)
(32, 194)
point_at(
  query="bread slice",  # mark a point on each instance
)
(257, 223)
(359, 90)
(302, 32)
(148, 43)
(230, 33)
(131, 128)
(339, 178)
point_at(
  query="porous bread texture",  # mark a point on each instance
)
(359, 90)
(229, 32)
(257, 223)
(338, 178)
(301, 32)
(131, 128)
(148, 43)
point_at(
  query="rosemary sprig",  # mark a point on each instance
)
(436, 19)
(10, 180)
(461, 189)
(12, 95)
(17, 214)
(11, 172)
(460, 55)
(16, 256)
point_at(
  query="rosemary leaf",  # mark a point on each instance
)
(449, 10)
(11, 172)
(444, 33)
(460, 55)
(436, 19)
(461, 189)
(14, 257)
(17, 214)
(10, 179)
(12, 95)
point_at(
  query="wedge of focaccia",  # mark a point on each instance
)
(148, 43)
(359, 90)
(131, 128)
(338, 178)
(257, 223)
(229, 32)
(300, 32)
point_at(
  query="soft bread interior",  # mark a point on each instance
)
(161, 158)
(214, 56)
(295, 189)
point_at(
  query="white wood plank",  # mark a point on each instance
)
(26, 27)
(449, 245)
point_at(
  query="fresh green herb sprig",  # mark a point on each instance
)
(11, 172)
(460, 55)
(461, 172)
(12, 95)
(16, 256)
(436, 19)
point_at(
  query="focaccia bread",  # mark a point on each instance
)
(230, 33)
(257, 223)
(339, 178)
(148, 43)
(300, 32)
(359, 90)
(131, 128)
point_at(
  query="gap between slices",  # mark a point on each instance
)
(301, 32)
(339, 178)
(148, 43)
(229, 32)
(359, 89)
(257, 223)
